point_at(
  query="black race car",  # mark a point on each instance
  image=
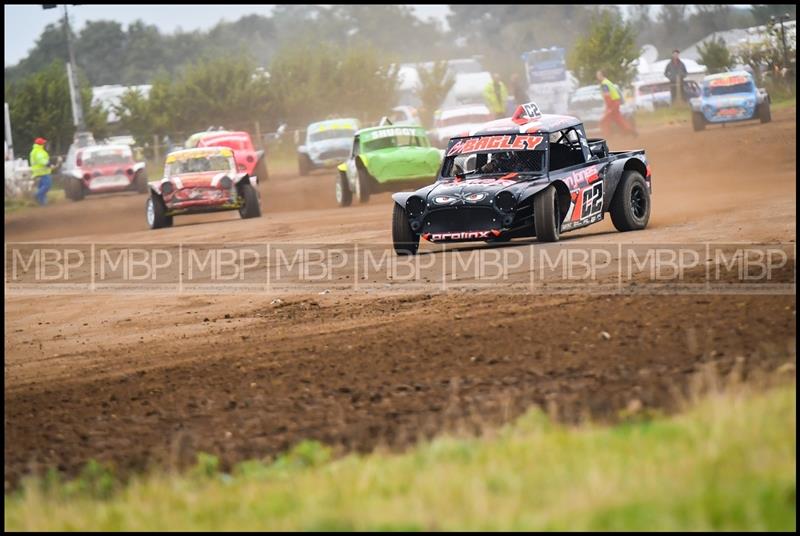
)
(527, 175)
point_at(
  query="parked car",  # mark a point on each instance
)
(587, 104)
(327, 144)
(652, 94)
(729, 97)
(201, 180)
(102, 169)
(527, 175)
(386, 158)
(248, 160)
(457, 121)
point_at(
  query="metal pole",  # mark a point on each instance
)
(77, 105)
(8, 134)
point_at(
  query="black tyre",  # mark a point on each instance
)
(344, 197)
(261, 169)
(406, 241)
(73, 189)
(140, 181)
(547, 215)
(362, 185)
(698, 121)
(764, 113)
(303, 164)
(251, 207)
(630, 208)
(156, 212)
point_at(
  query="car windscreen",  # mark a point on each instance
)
(393, 137)
(201, 164)
(106, 158)
(728, 89)
(506, 153)
(331, 134)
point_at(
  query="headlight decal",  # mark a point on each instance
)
(444, 199)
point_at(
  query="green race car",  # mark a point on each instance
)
(386, 159)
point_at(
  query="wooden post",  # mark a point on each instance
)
(260, 140)
(156, 151)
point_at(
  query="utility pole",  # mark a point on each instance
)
(72, 75)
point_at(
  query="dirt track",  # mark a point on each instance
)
(139, 379)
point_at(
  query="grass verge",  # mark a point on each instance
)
(12, 204)
(728, 463)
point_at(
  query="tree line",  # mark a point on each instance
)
(318, 61)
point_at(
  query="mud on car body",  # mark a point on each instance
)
(201, 180)
(527, 175)
(728, 97)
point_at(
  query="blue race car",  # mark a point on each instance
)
(727, 97)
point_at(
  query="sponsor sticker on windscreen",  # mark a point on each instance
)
(390, 133)
(506, 142)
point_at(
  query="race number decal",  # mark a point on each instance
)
(532, 110)
(592, 201)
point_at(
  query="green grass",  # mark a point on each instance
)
(726, 464)
(16, 204)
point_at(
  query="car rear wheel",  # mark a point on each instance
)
(406, 241)
(74, 189)
(251, 207)
(303, 164)
(547, 215)
(156, 212)
(764, 113)
(344, 197)
(140, 180)
(630, 208)
(698, 121)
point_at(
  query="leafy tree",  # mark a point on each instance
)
(714, 54)
(610, 45)
(40, 106)
(311, 83)
(762, 12)
(100, 51)
(435, 83)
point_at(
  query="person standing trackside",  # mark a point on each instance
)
(613, 98)
(495, 94)
(676, 72)
(40, 167)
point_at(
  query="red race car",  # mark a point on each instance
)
(201, 180)
(248, 160)
(102, 169)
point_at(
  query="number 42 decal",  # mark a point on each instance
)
(592, 200)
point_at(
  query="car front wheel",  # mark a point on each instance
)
(547, 215)
(251, 207)
(406, 241)
(764, 114)
(156, 212)
(343, 194)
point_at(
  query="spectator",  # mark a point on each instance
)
(496, 95)
(40, 167)
(676, 72)
(613, 98)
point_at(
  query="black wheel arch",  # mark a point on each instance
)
(614, 176)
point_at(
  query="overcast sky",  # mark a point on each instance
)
(24, 23)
